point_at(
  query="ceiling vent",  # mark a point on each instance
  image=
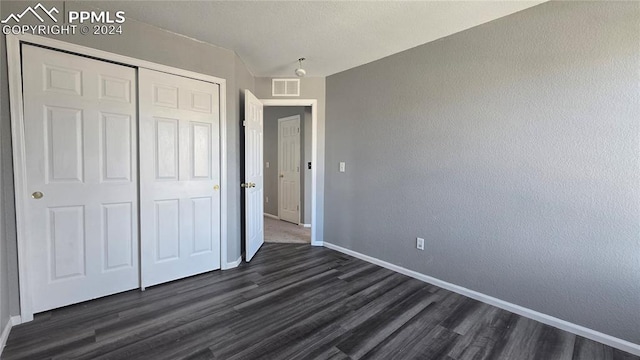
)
(285, 87)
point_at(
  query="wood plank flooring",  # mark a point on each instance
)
(295, 302)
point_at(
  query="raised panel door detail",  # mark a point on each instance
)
(64, 149)
(167, 229)
(202, 225)
(166, 149)
(116, 147)
(201, 150)
(115, 89)
(62, 80)
(255, 160)
(67, 242)
(200, 101)
(117, 236)
(165, 96)
(255, 221)
(289, 195)
(289, 158)
(80, 152)
(179, 171)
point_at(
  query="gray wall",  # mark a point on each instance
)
(310, 88)
(512, 148)
(271, 179)
(149, 43)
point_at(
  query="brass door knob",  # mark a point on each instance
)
(37, 195)
(281, 175)
(244, 185)
(253, 185)
(216, 187)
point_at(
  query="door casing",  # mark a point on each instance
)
(14, 65)
(315, 206)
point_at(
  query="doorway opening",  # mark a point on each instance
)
(287, 174)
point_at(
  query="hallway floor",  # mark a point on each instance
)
(278, 231)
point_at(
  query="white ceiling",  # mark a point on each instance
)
(334, 36)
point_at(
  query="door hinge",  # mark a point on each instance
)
(298, 207)
(298, 130)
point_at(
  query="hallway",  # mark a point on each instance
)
(278, 231)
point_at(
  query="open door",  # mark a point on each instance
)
(253, 184)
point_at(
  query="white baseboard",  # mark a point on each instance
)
(231, 265)
(235, 263)
(594, 335)
(11, 322)
(271, 216)
(305, 225)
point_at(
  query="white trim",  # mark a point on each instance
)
(315, 208)
(14, 66)
(305, 225)
(224, 257)
(235, 263)
(271, 216)
(280, 121)
(17, 128)
(16, 320)
(517, 309)
(11, 322)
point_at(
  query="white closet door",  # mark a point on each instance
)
(179, 176)
(80, 147)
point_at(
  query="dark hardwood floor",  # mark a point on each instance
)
(294, 302)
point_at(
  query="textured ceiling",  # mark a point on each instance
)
(333, 36)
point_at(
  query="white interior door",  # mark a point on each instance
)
(80, 146)
(254, 177)
(289, 169)
(179, 176)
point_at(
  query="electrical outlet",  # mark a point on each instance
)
(342, 166)
(266, 199)
(267, 165)
(420, 243)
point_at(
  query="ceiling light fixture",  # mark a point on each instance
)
(300, 72)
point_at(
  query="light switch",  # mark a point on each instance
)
(267, 165)
(342, 166)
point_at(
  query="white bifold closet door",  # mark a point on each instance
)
(80, 150)
(179, 176)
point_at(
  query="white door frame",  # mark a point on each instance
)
(314, 156)
(300, 120)
(14, 65)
